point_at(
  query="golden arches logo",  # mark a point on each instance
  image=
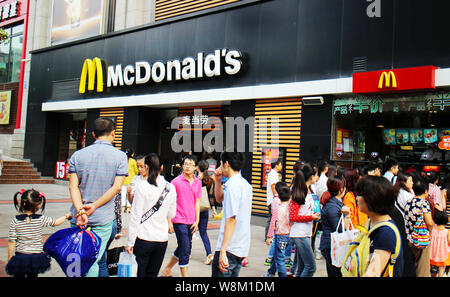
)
(91, 68)
(387, 77)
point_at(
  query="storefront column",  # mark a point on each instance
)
(316, 131)
(141, 130)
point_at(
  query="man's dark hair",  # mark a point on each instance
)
(389, 164)
(190, 157)
(321, 165)
(235, 159)
(378, 193)
(275, 162)
(103, 127)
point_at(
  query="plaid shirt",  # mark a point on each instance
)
(96, 167)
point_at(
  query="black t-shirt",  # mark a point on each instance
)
(383, 238)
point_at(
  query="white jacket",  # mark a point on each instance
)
(156, 228)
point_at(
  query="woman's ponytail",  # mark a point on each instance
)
(153, 162)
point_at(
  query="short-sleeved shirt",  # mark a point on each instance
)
(187, 195)
(96, 167)
(383, 238)
(27, 234)
(237, 203)
(413, 211)
(272, 178)
(435, 194)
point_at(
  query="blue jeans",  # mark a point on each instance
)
(288, 250)
(102, 264)
(233, 270)
(202, 228)
(280, 243)
(306, 263)
(184, 241)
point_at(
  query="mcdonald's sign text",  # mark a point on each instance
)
(394, 80)
(97, 74)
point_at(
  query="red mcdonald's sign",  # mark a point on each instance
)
(395, 80)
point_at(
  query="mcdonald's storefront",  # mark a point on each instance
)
(261, 59)
(398, 113)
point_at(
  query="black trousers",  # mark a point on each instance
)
(149, 257)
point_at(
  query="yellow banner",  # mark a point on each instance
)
(5, 107)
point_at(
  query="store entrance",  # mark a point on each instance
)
(201, 125)
(72, 134)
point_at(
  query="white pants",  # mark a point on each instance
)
(124, 196)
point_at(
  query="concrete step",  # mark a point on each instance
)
(28, 181)
(18, 171)
(22, 172)
(20, 176)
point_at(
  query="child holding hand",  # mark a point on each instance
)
(279, 223)
(25, 246)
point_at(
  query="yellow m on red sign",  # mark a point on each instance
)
(385, 80)
(90, 69)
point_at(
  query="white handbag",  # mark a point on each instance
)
(340, 242)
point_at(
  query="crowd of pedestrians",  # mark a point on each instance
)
(403, 213)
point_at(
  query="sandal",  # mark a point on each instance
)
(209, 259)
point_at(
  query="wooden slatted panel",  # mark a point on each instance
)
(214, 114)
(288, 114)
(166, 9)
(118, 114)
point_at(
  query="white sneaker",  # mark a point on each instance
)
(318, 256)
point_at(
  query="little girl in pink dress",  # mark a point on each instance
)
(440, 242)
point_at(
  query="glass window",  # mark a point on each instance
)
(408, 128)
(11, 55)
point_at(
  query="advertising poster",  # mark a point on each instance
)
(416, 135)
(389, 136)
(443, 133)
(339, 140)
(5, 107)
(402, 136)
(76, 19)
(268, 155)
(430, 135)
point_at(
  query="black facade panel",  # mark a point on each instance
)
(421, 33)
(244, 109)
(363, 36)
(318, 39)
(316, 135)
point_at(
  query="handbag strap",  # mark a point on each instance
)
(157, 205)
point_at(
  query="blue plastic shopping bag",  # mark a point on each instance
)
(75, 249)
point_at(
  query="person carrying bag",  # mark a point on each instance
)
(340, 242)
(153, 206)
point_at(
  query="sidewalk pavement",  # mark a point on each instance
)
(58, 203)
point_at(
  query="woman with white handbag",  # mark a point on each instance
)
(331, 216)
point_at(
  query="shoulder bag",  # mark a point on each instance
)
(157, 205)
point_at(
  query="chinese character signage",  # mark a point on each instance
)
(11, 12)
(5, 107)
(435, 102)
